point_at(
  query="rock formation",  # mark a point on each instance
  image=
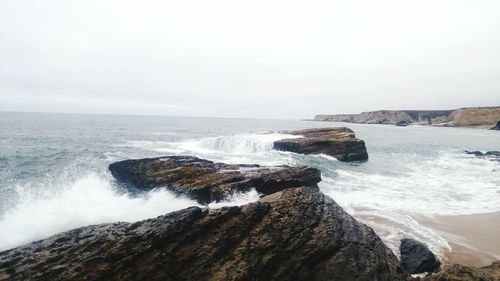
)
(340, 143)
(474, 117)
(417, 258)
(206, 181)
(459, 272)
(295, 233)
(483, 117)
(496, 127)
(492, 155)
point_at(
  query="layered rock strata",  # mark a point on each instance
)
(206, 181)
(482, 117)
(294, 233)
(340, 143)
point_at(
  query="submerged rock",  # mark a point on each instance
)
(206, 181)
(340, 143)
(294, 234)
(417, 258)
(475, 152)
(489, 154)
(459, 272)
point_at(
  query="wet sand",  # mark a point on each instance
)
(474, 239)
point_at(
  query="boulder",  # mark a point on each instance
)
(293, 234)
(416, 257)
(206, 181)
(340, 143)
(497, 126)
(459, 272)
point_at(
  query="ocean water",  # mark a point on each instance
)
(54, 177)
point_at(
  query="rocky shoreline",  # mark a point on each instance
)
(474, 117)
(292, 232)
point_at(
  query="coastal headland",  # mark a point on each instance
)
(474, 117)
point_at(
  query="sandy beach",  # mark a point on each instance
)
(474, 239)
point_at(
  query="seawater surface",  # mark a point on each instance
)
(54, 177)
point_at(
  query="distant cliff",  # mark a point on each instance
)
(484, 117)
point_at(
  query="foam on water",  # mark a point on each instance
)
(406, 173)
(449, 184)
(248, 148)
(237, 199)
(89, 200)
(236, 144)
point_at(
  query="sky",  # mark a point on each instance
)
(257, 59)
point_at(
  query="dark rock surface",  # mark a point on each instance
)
(340, 143)
(416, 257)
(488, 154)
(497, 126)
(206, 181)
(475, 152)
(294, 234)
(459, 272)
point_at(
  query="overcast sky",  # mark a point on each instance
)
(277, 59)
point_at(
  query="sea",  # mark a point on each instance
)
(54, 170)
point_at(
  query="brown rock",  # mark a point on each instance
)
(459, 272)
(340, 143)
(295, 234)
(206, 181)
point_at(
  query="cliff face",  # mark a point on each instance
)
(350, 118)
(485, 117)
(475, 117)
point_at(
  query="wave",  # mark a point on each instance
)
(392, 226)
(248, 148)
(449, 183)
(236, 144)
(89, 200)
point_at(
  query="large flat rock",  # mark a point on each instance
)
(340, 143)
(294, 234)
(206, 181)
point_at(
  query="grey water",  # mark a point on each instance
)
(54, 177)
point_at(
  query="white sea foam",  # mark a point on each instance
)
(445, 185)
(237, 144)
(232, 144)
(392, 226)
(92, 199)
(89, 200)
(449, 184)
(237, 199)
(248, 148)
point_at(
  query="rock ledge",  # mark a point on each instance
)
(340, 143)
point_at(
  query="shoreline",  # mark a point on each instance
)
(481, 127)
(474, 239)
(469, 240)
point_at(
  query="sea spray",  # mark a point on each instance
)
(89, 200)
